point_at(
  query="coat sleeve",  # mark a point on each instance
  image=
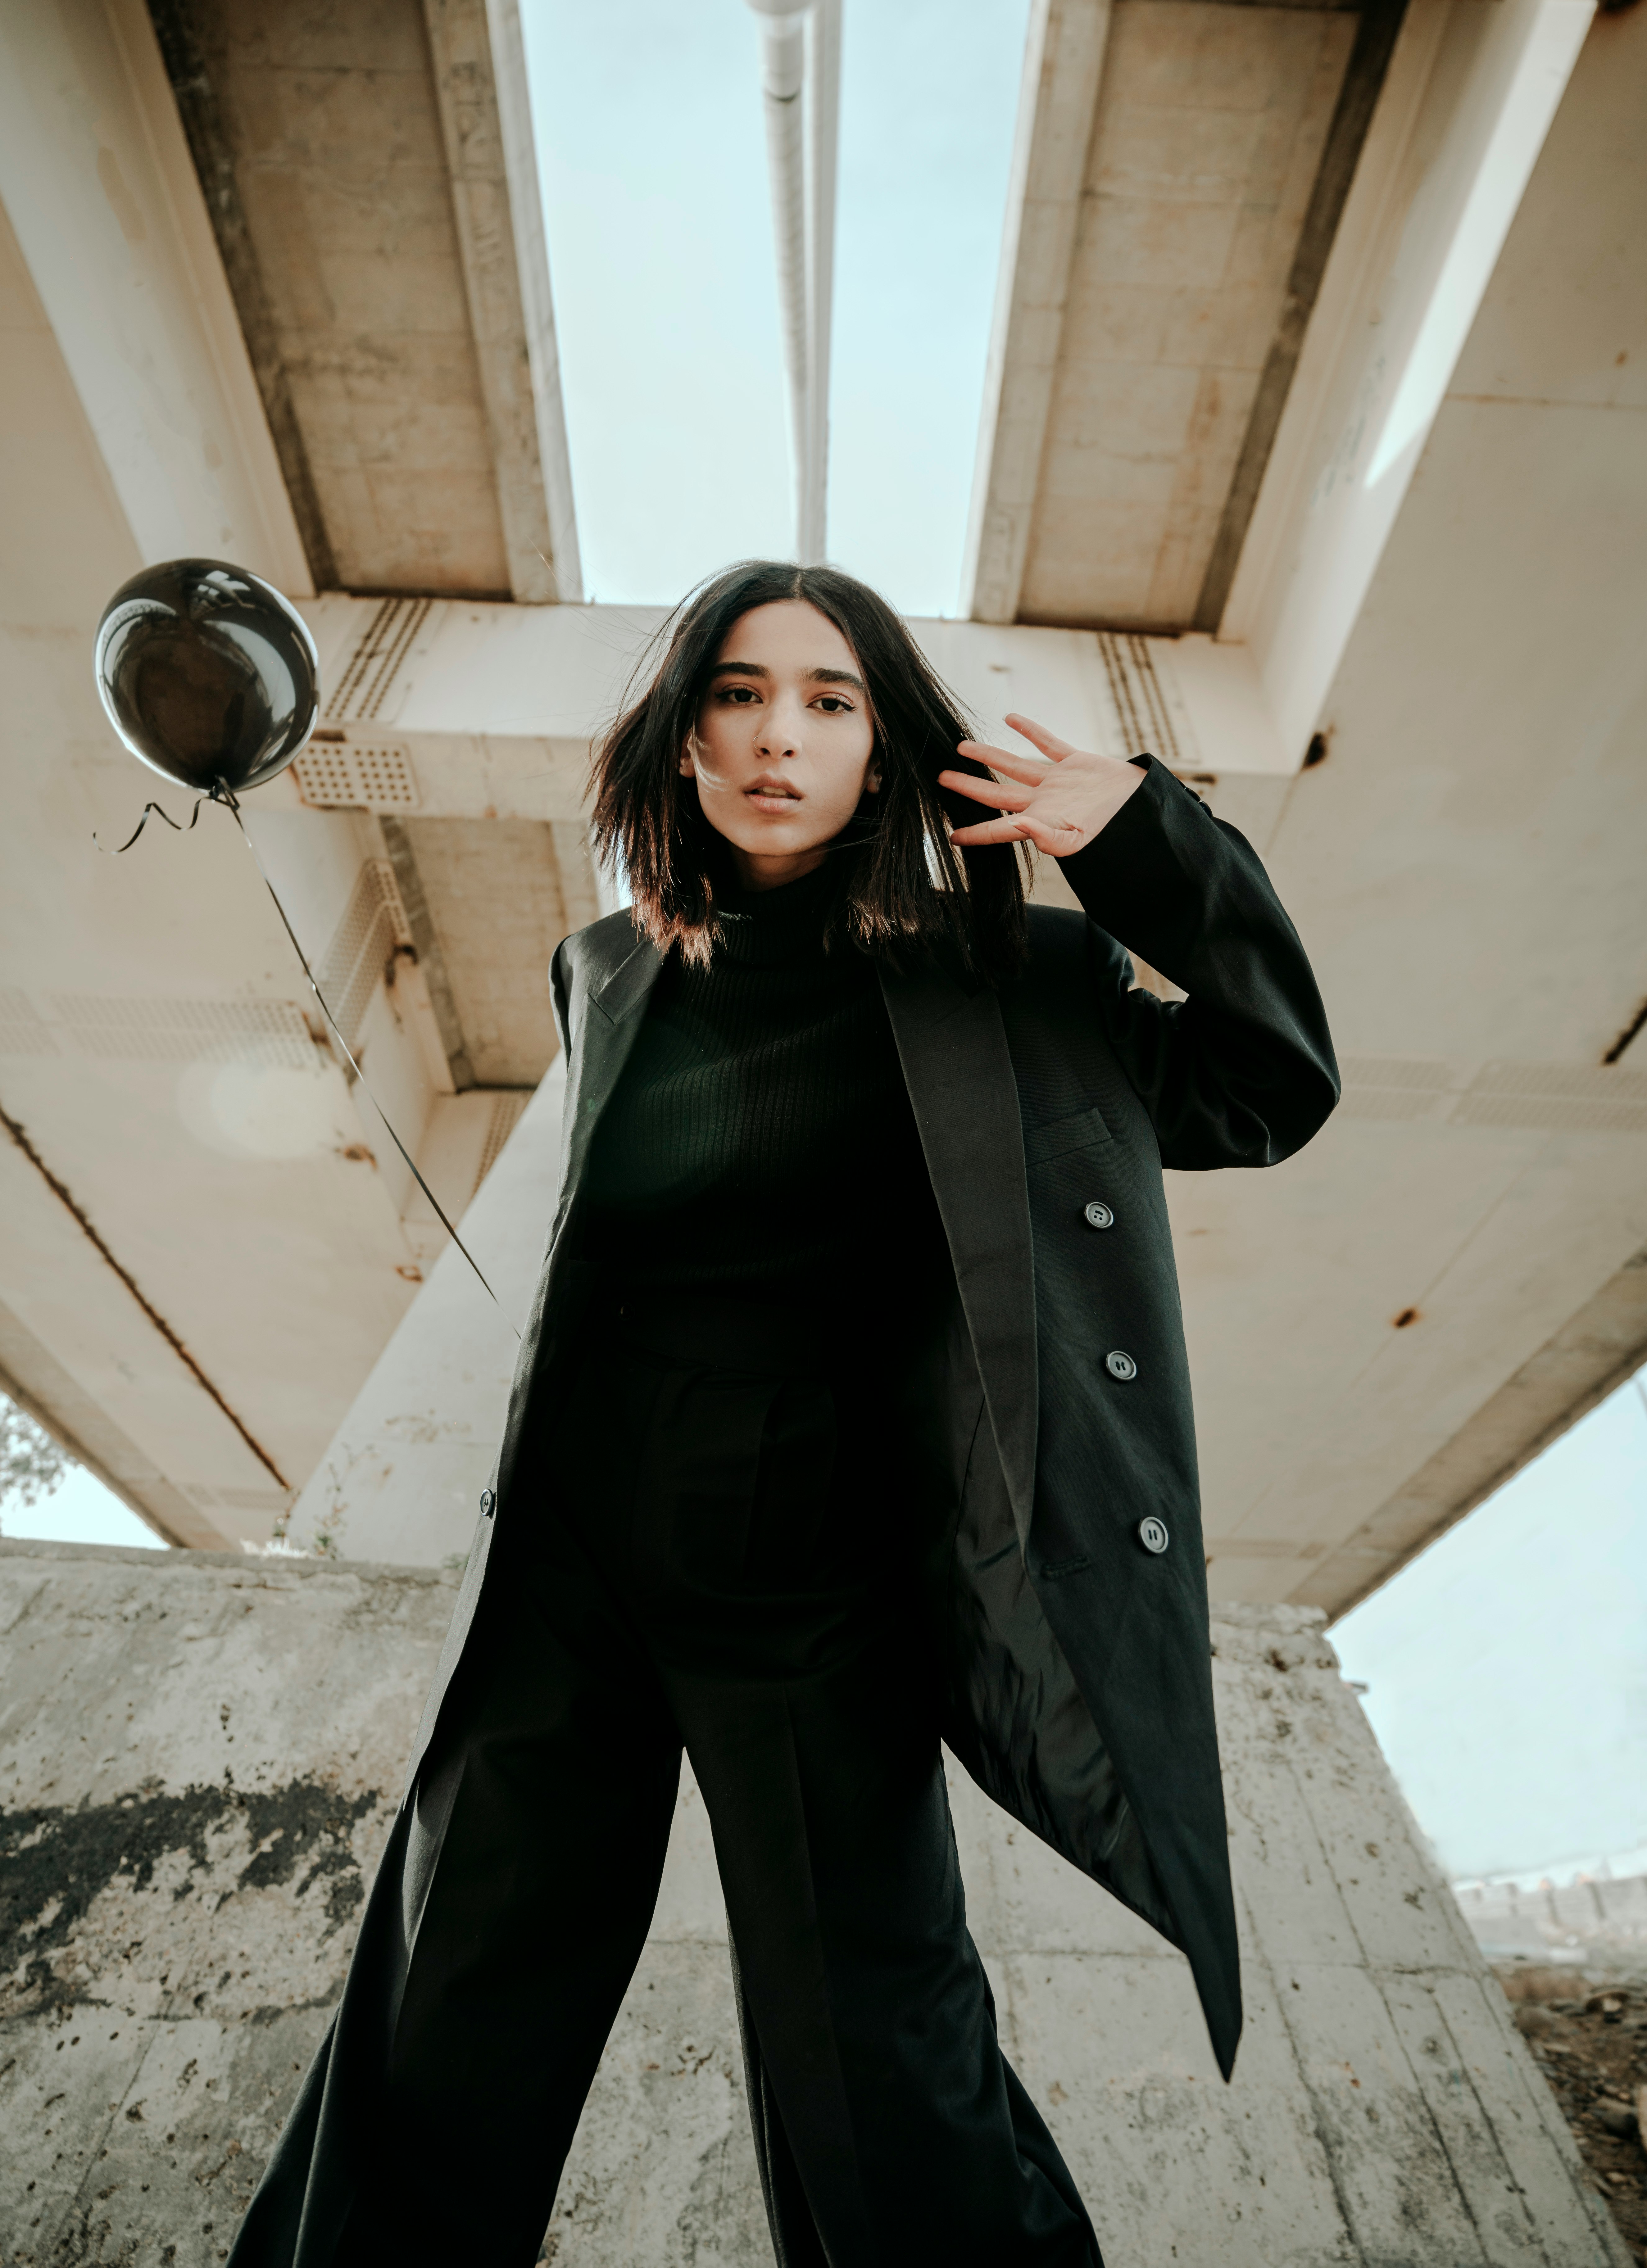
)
(1242, 1072)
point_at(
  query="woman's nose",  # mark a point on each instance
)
(780, 734)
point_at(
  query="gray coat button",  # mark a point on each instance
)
(487, 1500)
(1098, 1215)
(1120, 1364)
(1152, 1533)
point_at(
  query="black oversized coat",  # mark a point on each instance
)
(1079, 1690)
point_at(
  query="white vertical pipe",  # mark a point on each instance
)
(800, 86)
(824, 87)
(783, 74)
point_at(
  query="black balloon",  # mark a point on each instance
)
(208, 673)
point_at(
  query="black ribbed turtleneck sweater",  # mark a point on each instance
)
(760, 1145)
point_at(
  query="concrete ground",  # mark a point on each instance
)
(199, 1758)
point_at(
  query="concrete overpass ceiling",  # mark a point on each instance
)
(1448, 616)
(496, 905)
(369, 173)
(1184, 165)
(1465, 867)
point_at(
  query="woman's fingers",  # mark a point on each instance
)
(1056, 836)
(1048, 743)
(1029, 770)
(984, 791)
(988, 830)
(1019, 822)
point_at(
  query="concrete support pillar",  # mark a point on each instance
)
(188, 1848)
(401, 1479)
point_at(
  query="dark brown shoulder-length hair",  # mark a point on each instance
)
(903, 887)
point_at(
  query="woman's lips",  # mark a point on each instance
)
(765, 798)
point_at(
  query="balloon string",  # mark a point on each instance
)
(223, 793)
(177, 825)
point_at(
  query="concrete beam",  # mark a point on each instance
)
(480, 83)
(465, 709)
(33, 1378)
(371, 176)
(1470, 96)
(1063, 63)
(1111, 373)
(1179, 180)
(1378, 24)
(1602, 1346)
(401, 1480)
(96, 180)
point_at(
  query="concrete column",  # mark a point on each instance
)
(401, 1479)
(203, 1754)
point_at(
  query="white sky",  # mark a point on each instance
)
(1506, 1667)
(653, 156)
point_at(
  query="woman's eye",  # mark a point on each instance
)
(741, 695)
(832, 705)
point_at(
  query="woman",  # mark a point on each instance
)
(853, 1413)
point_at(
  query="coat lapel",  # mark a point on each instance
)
(952, 1043)
(602, 1039)
(604, 1015)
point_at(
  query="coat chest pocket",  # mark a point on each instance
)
(1060, 1136)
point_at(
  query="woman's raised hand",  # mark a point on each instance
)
(1061, 799)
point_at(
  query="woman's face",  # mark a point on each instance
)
(784, 747)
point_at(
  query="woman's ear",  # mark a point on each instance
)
(872, 782)
(688, 769)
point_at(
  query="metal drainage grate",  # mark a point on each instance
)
(334, 776)
(266, 1031)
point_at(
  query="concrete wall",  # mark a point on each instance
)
(1587, 1922)
(200, 1756)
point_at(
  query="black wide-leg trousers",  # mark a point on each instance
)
(720, 1571)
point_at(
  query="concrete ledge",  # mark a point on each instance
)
(199, 1754)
